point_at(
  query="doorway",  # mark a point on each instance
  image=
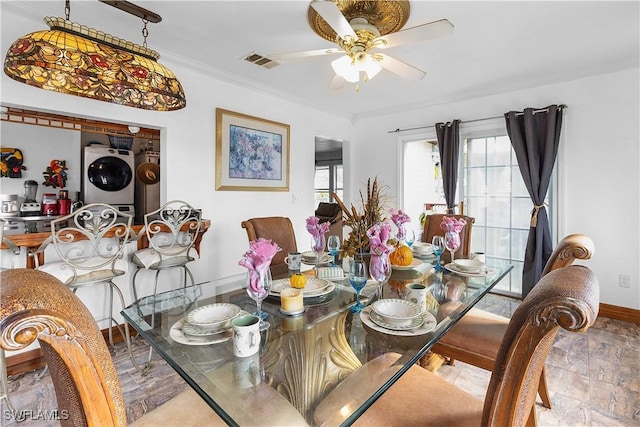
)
(329, 170)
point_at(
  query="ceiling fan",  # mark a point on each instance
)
(361, 28)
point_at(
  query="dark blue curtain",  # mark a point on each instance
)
(535, 135)
(449, 146)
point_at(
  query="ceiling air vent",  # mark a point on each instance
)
(261, 61)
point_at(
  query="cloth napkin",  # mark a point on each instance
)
(399, 218)
(452, 224)
(330, 273)
(257, 260)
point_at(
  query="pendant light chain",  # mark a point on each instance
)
(145, 32)
(67, 9)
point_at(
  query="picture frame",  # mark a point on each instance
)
(252, 154)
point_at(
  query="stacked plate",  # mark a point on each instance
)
(396, 314)
(422, 249)
(206, 322)
(469, 267)
(310, 258)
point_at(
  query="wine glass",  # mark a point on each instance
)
(452, 242)
(333, 245)
(259, 294)
(357, 279)
(317, 245)
(380, 271)
(437, 244)
(410, 237)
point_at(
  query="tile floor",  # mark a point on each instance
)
(594, 379)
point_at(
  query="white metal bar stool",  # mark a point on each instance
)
(90, 243)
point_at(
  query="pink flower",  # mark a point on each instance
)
(452, 224)
(257, 259)
(315, 228)
(379, 235)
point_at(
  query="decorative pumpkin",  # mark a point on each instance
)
(401, 256)
(298, 280)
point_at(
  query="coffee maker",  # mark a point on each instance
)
(30, 206)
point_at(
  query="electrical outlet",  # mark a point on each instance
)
(624, 281)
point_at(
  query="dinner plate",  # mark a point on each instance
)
(379, 320)
(176, 333)
(195, 331)
(483, 273)
(415, 263)
(428, 325)
(313, 288)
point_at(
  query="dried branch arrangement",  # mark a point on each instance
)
(360, 221)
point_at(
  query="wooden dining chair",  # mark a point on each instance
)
(37, 306)
(278, 229)
(567, 298)
(476, 338)
(432, 228)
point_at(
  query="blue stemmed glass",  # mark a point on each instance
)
(438, 246)
(410, 237)
(333, 246)
(358, 278)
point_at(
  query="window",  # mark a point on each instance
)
(491, 186)
(328, 180)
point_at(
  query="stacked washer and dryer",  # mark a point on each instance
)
(109, 177)
(115, 176)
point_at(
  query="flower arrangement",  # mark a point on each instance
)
(257, 259)
(360, 221)
(399, 218)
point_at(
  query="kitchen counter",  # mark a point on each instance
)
(33, 240)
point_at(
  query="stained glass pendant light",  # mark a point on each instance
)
(77, 60)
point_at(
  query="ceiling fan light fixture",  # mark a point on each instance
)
(367, 64)
(344, 67)
(74, 59)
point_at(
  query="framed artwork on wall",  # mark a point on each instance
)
(252, 154)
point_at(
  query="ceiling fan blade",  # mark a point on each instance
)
(329, 11)
(290, 56)
(400, 68)
(422, 32)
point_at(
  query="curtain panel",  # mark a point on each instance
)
(535, 136)
(449, 146)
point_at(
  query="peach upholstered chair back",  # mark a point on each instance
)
(432, 228)
(277, 229)
(36, 305)
(567, 298)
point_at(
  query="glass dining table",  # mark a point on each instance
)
(324, 367)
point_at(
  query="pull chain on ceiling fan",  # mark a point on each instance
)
(360, 28)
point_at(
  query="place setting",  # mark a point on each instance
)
(401, 317)
(469, 267)
(310, 287)
(209, 324)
